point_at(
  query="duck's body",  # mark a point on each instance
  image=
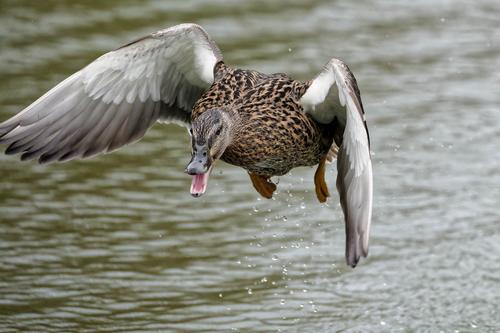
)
(266, 124)
(274, 135)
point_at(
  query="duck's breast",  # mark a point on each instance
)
(276, 136)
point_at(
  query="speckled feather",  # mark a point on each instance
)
(274, 135)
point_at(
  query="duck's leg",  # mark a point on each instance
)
(263, 185)
(319, 180)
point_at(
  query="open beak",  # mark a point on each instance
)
(199, 183)
(199, 167)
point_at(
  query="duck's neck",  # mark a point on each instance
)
(232, 120)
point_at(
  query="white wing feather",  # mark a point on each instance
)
(354, 179)
(116, 98)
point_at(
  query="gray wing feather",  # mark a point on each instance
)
(115, 99)
(354, 167)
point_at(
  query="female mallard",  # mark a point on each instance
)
(267, 124)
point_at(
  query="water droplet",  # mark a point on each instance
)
(289, 49)
(382, 323)
(250, 292)
(282, 302)
(263, 280)
(220, 295)
(275, 257)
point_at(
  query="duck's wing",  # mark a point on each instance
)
(334, 94)
(115, 99)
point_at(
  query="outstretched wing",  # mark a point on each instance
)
(115, 99)
(354, 178)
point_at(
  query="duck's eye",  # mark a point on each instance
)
(218, 132)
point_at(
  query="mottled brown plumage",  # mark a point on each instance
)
(273, 134)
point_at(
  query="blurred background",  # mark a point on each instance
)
(117, 243)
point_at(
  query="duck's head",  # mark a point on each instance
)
(211, 133)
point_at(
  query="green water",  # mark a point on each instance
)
(117, 244)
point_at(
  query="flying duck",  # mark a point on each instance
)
(267, 124)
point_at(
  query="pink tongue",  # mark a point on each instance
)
(199, 184)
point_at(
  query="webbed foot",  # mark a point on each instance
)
(263, 185)
(319, 180)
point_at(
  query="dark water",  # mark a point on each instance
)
(117, 244)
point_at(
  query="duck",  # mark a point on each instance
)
(267, 124)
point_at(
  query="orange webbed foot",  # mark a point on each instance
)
(319, 180)
(263, 185)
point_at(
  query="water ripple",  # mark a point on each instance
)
(117, 244)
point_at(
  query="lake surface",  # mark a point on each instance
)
(117, 244)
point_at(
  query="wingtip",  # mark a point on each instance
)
(355, 251)
(352, 263)
(352, 258)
